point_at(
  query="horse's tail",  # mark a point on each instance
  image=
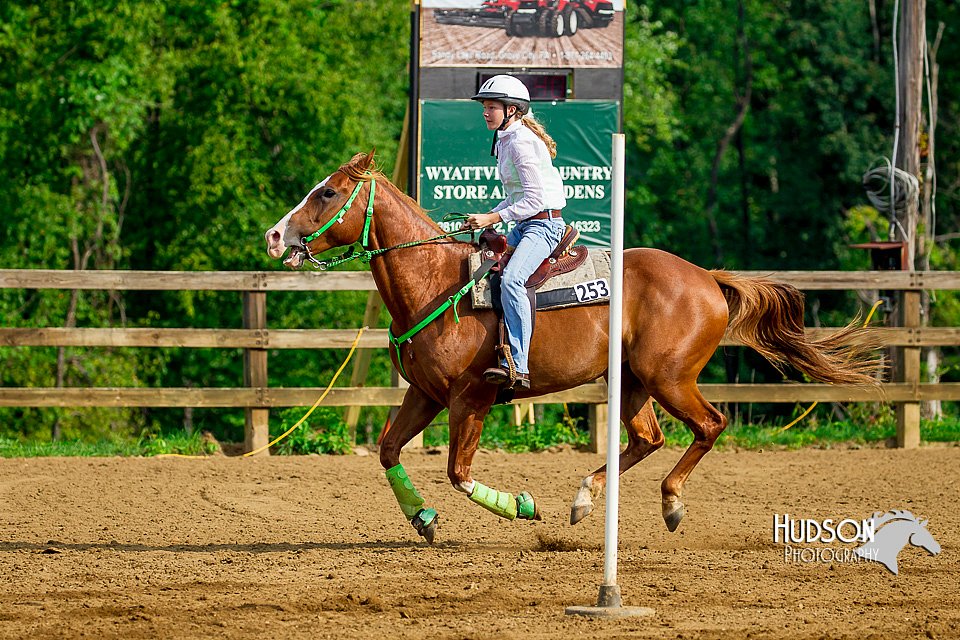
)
(768, 317)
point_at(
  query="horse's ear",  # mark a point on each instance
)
(367, 162)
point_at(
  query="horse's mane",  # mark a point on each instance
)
(355, 172)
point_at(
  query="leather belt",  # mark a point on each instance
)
(546, 214)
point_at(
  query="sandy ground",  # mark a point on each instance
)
(317, 547)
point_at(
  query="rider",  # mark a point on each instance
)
(534, 200)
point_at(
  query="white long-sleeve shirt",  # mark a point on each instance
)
(530, 181)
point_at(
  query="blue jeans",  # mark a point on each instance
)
(534, 240)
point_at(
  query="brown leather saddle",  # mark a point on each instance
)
(565, 258)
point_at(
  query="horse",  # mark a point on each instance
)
(675, 314)
(900, 528)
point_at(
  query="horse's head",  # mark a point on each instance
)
(898, 528)
(326, 209)
(923, 539)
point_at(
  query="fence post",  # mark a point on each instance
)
(598, 428)
(256, 431)
(908, 371)
(416, 442)
(361, 364)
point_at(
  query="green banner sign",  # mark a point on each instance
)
(458, 174)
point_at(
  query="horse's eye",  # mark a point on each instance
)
(329, 193)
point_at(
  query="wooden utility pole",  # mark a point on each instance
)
(911, 44)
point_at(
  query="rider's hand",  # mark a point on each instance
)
(481, 220)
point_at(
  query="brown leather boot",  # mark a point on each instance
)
(522, 381)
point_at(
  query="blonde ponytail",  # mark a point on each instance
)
(534, 125)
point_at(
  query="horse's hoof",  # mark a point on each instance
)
(527, 508)
(430, 530)
(426, 523)
(673, 513)
(582, 505)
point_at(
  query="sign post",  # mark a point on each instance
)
(609, 602)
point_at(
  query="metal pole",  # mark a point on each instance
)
(413, 178)
(610, 591)
(609, 603)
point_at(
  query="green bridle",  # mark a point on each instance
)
(338, 217)
(366, 254)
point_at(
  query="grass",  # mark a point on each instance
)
(819, 434)
(176, 443)
(328, 434)
(517, 439)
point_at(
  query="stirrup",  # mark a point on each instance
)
(496, 375)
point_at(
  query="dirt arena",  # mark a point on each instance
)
(317, 547)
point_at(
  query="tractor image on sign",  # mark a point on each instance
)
(546, 18)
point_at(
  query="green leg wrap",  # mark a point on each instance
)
(407, 495)
(499, 502)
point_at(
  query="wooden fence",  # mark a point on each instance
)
(257, 397)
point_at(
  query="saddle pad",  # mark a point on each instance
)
(587, 284)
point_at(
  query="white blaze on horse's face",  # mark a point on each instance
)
(280, 236)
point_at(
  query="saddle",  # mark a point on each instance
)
(565, 258)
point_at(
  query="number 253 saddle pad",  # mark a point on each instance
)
(587, 284)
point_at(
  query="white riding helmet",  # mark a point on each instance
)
(506, 89)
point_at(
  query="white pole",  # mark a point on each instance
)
(609, 603)
(613, 365)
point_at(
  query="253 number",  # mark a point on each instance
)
(592, 290)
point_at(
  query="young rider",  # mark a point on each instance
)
(534, 200)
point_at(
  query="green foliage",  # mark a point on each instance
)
(168, 136)
(814, 123)
(330, 435)
(533, 437)
(856, 424)
(499, 432)
(177, 443)
(170, 444)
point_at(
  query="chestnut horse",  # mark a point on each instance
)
(674, 315)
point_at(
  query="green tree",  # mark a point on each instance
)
(78, 82)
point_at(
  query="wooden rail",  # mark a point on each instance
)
(255, 339)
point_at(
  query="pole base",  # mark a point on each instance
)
(609, 596)
(610, 612)
(609, 605)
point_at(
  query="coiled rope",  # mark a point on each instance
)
(892, 190)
